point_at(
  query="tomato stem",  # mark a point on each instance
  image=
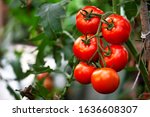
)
(70, 79)
(115, 7)
(99, 53)
(142, 67)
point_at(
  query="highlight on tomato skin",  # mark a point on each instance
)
(83, 72)
(118, 30)
(118, 58)
(105, 80)
(84, 48)
(85, 23)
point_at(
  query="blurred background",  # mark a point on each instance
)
(33, 41)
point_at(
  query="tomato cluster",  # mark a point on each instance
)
(100, 49)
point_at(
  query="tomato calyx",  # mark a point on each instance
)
(110, 25)
(89, 15)
(107, 52)
(86, 41)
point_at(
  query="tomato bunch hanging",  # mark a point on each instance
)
(100, 49)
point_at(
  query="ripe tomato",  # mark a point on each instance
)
(86, 23)
(42, 75)
(85, 50)
(83, 72)
(105, 80)
(120, 31)
(118, 57)
(48, 83)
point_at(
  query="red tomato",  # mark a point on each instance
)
(83, 72)
(105, 80)
(118, 58)
(87, 24)
(120, 31)
(42, 75)
(85, 50)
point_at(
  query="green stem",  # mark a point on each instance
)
(99, 53)
(142, 67)
(69, 81)
(115, 7)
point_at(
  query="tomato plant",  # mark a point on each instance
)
(85, 47)
(83, 72)
(116, 29)
(75, 40)
(118, 57)
(105, 80)
(86, 22)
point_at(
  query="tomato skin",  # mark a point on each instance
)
(42, 75)
(85, 51)
(119, 33)
(83, 72)
(105, 80)
(118, 58)
(48, 83)
(89, 26)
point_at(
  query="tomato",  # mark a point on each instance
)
(85, 50)
(118, 57)
(42, 75)
(46, 80)
(88, 24)
(105, 80)
(48, 83)
(83, 72)
(120, 31)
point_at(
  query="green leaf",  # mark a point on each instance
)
(41, 48)
(13, 93)
(51, 15)
(39, 37)
(41, 69)
(39, 90)
(57, 56)
(16, 65)
(131, 9)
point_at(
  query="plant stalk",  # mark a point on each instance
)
(142, 67)
(116, 8)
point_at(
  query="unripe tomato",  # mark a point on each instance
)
(118, 57)
(105, 80)
(86, 23)
(118, 31)
(85, 50)
(42, 75)
(83, 72)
